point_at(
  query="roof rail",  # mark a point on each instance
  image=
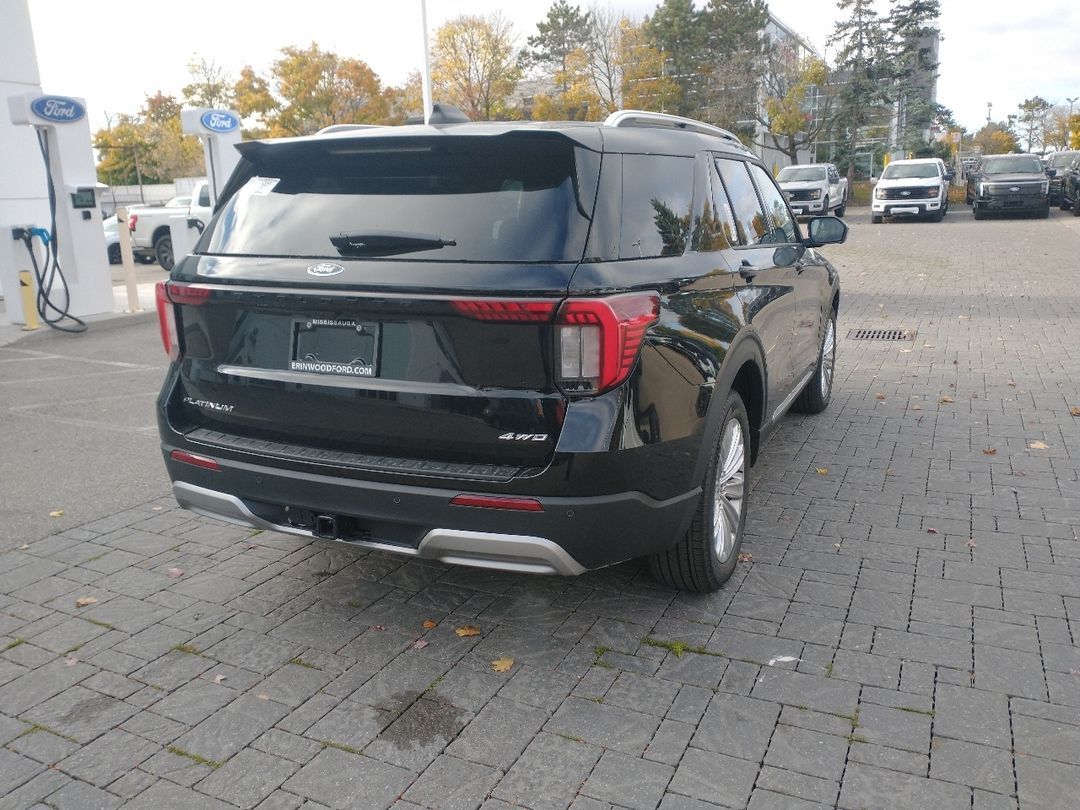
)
(643, 118)
(345, 128)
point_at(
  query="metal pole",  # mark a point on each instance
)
(426, 78)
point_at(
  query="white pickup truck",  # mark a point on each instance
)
(150, 234)
(814, 189)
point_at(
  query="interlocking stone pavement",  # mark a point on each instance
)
(905, 634)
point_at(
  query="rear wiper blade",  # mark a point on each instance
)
(387, 243)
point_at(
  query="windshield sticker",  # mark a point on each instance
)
(261, 186)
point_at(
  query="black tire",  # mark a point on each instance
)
(825, 206)
(114, 253)
(978, 213)
(163, 252)
(816, 395)
(842, 208)
(938, 215)
(693, 563)
(1044, 213)
(1076, 207)
(875, 218)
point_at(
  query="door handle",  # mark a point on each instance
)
(748, 271)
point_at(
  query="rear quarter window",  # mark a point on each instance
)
(657, 203)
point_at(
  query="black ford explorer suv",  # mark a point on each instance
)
(534, 347)
(1009, 184)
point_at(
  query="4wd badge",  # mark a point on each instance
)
(523, 437)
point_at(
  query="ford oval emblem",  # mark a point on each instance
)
(325, 269)
(219, 121)
(61, 109)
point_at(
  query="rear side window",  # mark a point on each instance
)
(511, 198)
(744, 201)
(658, 195)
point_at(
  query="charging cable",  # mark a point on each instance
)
(49, 273)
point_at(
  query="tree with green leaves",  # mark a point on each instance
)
(1032, 119)
(734, 63)
(565, 30)
(864, 69)
(912, 27)
(677, 30)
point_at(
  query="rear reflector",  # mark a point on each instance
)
(493, 502)
(513, 311)
(187, 294)
(194, 460)
(166, 320)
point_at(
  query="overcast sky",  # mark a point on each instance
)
(114, 54)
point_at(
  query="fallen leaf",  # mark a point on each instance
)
(931, 531)
(916, 407)
(430, 625)
(1038, 445)
(746, 556)
(822, 470)
(1074, 411)
(420, 643)
(70, 661)
(156, 508)
(467, 631)
(502, 664)
(989, 451)
(1010, 383)
(85, 601)
(56, 513)
(250, 546)
(24, 547)
(380, 627)
(945, 400)
(263, 696)
(174, 573)
(880, 396)
(971, 542)
(219, 678)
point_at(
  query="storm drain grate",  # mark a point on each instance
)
(881, 334)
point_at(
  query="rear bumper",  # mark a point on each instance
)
(569, 536)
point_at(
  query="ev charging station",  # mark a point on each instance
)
(71, 238)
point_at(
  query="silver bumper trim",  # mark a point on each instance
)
(505, 552)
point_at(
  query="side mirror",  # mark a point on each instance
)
(826, 231)
(1051, 172)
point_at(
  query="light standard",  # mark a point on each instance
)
(989, 106)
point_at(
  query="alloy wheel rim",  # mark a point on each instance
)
(730, 490)
(828, 358)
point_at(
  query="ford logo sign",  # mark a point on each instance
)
(219, 121)
(61, 109)
(325, 269)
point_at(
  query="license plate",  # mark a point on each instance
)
(899, 210)
(342, 347)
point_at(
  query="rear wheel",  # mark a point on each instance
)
(114, 254)
(1044, 213)
(978, 213)
(817, 393)
(875, 218)
(840, 209)
(163, 252)
(706, 557)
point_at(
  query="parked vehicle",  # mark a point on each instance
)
(112, 239)
(916, 188)
(536, 347)
(150, 234)
(1070, 187)
(1009, 184)
(814, 188)
(1057, 167)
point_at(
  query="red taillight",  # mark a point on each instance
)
(495, 502)
(132, 219)
(166, 294)
(205, 462)
(514, 311)
(599, 339)
(166, 320)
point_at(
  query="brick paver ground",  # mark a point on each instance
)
(905, 635)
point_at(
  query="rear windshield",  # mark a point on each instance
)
(1009, 165)
(516, 198)
(898, 171)
(791, 174)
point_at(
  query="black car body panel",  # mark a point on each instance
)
(1009, 184)
(274, 415)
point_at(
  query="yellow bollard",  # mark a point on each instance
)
(26, 289)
